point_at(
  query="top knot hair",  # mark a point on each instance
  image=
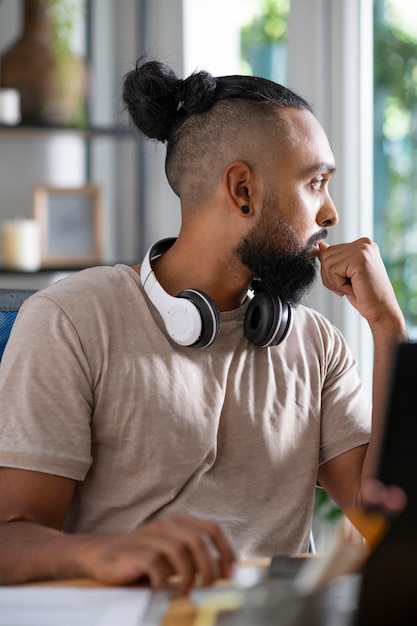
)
(158, 101)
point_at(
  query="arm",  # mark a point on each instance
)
(356, 270)
(33, 507)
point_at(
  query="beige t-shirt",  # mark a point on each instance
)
(92, 388)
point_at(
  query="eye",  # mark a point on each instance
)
(318, 183)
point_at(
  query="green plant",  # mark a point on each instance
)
(325, 507)
(269, 26)
(66, 15)
(68, 101)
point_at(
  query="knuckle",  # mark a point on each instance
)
(180, 551)
(153, 559)
(199, 541)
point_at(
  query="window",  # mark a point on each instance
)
(251, 36)
(263, 38)
(395, 147)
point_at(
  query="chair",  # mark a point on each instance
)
(10, 302)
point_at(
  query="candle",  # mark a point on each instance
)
(9, 107)
(21, 240)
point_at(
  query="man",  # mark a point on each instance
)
(129, 415)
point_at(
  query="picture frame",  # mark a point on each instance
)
(71, 225)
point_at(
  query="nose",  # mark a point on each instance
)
(327, 215)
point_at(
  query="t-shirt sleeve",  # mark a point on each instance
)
(46, 393)
(346, 407)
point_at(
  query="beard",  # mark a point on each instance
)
(282, 265)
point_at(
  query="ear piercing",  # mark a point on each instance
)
(245, 209)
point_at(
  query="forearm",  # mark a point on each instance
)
(30, 552)
(179, 546)
(356, 270)
(386, 337)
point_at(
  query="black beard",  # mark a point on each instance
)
(285, 271)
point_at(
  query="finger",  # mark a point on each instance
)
(225, 554)
(204, 553)
(157, 569)
(391, 499)
(208, 548)
(191, 551)
(336, 268)
(175, 550)
(322, 249)
(394, 499)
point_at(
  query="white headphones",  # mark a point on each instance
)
(193, 319)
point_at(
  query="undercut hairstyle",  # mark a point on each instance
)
(206, 122)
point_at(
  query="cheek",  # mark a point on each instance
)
(305, 207)
(296, 214)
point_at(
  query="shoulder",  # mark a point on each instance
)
(319, 339)
(86, 300)
(311, 322)
(94, 280)
(94, 287)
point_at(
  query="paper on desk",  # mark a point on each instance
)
(66, 606)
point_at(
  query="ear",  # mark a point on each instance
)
(239, 186)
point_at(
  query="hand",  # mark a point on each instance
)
(356, 270)
(380, 504)
(389, 499)
(177, 546)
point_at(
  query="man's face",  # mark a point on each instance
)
(281, 247)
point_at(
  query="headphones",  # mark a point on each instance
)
(193, 319)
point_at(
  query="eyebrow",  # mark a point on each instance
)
(319, 167)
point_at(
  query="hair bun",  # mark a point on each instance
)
(150, 94)
(197, 93)
(157, 100)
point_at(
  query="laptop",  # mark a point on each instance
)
(389, 580)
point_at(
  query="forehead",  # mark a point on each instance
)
(305, 143)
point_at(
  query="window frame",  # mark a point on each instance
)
(331, 64)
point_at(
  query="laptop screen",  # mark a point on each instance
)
(398, 451)
(389, 579)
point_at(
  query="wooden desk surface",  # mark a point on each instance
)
(182, 612)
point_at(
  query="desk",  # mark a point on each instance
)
(182, 612)
(271, 603)
(257, 606)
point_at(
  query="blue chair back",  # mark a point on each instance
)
(10, 302)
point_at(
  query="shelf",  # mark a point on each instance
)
(42, 270)
(25, 132)
(58, 270)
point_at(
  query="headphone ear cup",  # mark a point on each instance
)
(268, 320)
(210, 316)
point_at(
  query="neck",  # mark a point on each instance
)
(218, 274)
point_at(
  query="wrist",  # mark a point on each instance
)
(391, 329)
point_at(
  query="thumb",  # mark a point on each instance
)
(322, 248)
